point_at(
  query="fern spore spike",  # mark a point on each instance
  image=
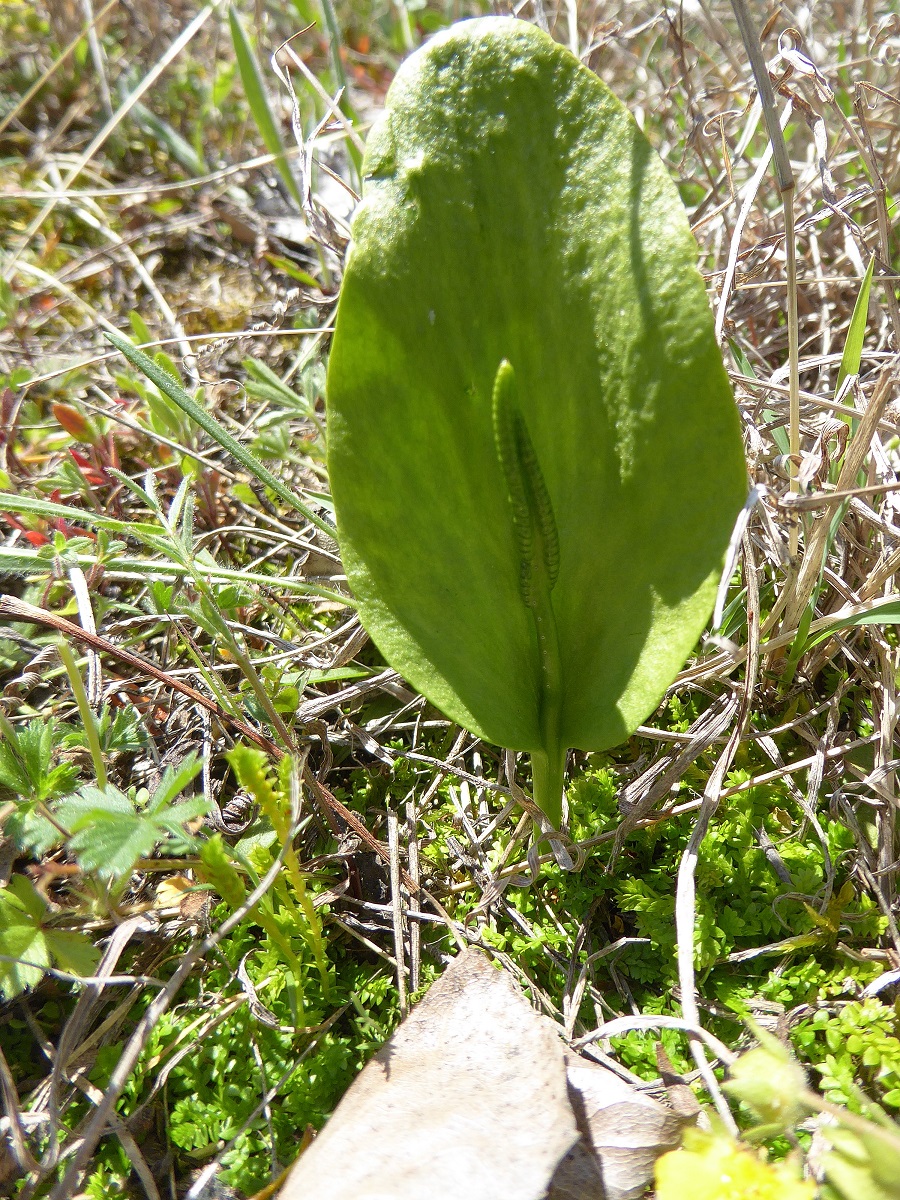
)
(537, 541)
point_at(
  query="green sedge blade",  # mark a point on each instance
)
(856, 331)
(255, 91)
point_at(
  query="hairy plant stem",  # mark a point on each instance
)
(313, 928)
(280, 820)
(88, 720)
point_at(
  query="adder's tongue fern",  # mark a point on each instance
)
(521, 307)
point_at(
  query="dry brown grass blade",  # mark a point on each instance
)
(68, 1047)
(857, 451)
(786, 187)
(397, 915)
(15, 1130)
(115, 120)
(685, 893)
(639, 797)
(19, 610)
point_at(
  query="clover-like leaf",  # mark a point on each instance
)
(533, 447)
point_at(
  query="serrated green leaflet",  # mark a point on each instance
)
(532, 439)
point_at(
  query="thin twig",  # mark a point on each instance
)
(685, 894)
(393, 825)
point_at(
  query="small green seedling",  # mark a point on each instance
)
(533, 446)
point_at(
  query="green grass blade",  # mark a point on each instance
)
(210, 425)
(254, 90)
(856, 331)
(88, 720)
(779, 433)
(27, 563)
(885, 612)
(14, 560)
(46, 509)
(340, 77)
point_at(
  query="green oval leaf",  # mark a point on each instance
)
(533, 447)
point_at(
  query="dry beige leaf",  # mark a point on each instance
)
(468, 1098)
(578, 1176)
(625, 1129)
